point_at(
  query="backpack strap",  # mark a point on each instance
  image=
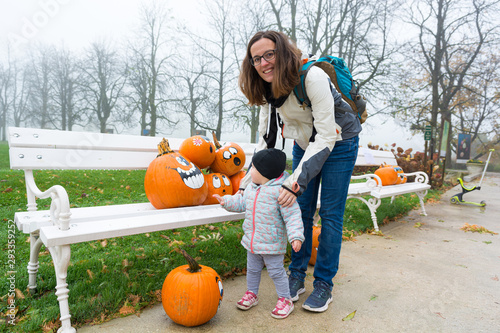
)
(300, 89)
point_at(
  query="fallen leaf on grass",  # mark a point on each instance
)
(349, 316)
(19, 293)
(127, 309)
(91, 275)
(49, 327)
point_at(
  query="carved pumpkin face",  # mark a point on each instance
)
(400, 174)
(199, 150)
(229, 159)
(217, 183)
(173, 181)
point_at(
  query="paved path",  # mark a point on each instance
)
(432, 278)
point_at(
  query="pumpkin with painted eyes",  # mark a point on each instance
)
(218, 183)
(199, 150)
(229, 159)
(173, 181)
(400, 173)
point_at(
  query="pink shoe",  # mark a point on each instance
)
(247, 301)
(283, 308)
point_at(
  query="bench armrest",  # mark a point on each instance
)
(373, 182)
(59, 206)
(420, 177)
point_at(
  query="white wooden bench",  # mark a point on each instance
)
(372, 188)
(57, 228)
(61, 226)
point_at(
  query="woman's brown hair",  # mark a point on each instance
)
(286, 67)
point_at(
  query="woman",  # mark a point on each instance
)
(323, 151)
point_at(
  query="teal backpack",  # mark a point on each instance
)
(342, 79)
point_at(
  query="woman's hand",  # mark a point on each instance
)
(286, 198)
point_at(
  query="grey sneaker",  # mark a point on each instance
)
(296, 288)
(319, 299)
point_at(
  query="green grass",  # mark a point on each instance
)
(106, 275)
(4, 155)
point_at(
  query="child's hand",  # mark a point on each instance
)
(296, 245)
(219, 198)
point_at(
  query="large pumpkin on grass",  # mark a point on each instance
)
(199, 150)
(387, 174)
(218, 183)
(173, 181)
(192, 293)
(315, 244)
(236, 179)
(229, 159)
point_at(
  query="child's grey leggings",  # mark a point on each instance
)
(275, 268)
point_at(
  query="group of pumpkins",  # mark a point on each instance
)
(175, 179)
(390, 174)
(191, 294)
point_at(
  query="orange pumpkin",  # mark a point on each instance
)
(236, 179)
(172, 180)
(191, 294)
(229, 159)
(387, 175)
(315, 244)
(199, 150)
(217, 183)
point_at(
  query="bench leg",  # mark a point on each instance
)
(421, 196)
(372, 204)
(60, 257)
(35, 246)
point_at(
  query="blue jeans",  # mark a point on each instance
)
(334, 177)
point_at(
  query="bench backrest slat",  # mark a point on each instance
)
(68, 159)
(370, 157)
(49, 149)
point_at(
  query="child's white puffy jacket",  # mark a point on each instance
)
(267, 224)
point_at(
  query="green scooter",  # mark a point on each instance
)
(458, 198)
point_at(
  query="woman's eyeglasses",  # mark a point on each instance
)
(268, 56)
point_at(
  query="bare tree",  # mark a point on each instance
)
(66, 96)
(356, 30)
(6, 74)
(41, 88)
(103, 82)
(148, 74)
(451, 35)
(222, 73)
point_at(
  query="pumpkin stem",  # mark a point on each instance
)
(164, 148)
(193, 265)
(216, 142)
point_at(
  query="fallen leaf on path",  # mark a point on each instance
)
(349, 316)
(495, 278)
(374, 297)
(477, 228)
